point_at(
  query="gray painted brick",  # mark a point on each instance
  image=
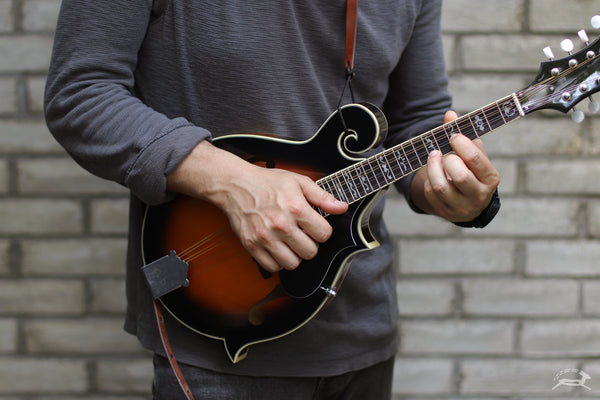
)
(8, 96)
(402, 220)
(55, 375)
(41, 296)
(563, 258)
(6, 16)
(509, 173)
(125, 376)
(511, 297)
(591, 297)
(35, 94)
(457, 337)
(455, 257)
(27, 136)
(548, 17)
(574, 176)
(87, 336)
(40, 15)
(423, 377)
(504, 53)
(4, 178)
(535, 217)
(472, 92)
(25, 53)
(484, 16)
(561, 338)
(108, 295)
(503, 377)
(39, 216)
(533, 135)
(75, 257)
(4, 257)
(594, 218)
(8, 335)
(61, 176)
(425, 298)
(110, 215)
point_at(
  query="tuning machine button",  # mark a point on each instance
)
(567, 46)
(594, 106)
(578, 116)
(548, 53)
(596, 21)
(584, 37)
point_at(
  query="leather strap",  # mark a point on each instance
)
(351, 24)
(162, 329)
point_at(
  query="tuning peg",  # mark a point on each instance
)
(567, 46)
(548, 53)
(578, 116)
(596, 21)
(594, 106)
(584, 37)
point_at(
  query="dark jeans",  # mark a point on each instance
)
(373, 383)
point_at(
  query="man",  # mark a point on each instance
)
(138, 89)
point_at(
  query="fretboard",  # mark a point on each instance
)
(376, 172)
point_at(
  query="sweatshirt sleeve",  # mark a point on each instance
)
(90, 102)
(418, 96)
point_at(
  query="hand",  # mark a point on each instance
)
(457, 187)
(271, 210)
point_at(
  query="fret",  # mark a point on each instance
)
(365, 182)
(337, 189)
(402, 161)
(508, 109)
(353, 188)
(479, 124)
(324, 184)
(443, 141)
(411, 142)
(495, 117)
(428, 143)
(374, 167)
(466, 128)
(386, 170)
(452, 129)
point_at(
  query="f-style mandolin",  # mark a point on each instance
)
(202, 275)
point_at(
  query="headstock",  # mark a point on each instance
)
(561, 84)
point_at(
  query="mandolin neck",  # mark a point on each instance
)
(379, 171)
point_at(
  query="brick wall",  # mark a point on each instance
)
(486, 314)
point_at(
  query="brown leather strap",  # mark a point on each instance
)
(351, 23)
(160, 320)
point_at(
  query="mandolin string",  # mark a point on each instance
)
(201, 242)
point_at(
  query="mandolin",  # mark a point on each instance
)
(202, 275)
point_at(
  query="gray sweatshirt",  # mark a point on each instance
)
(134, 85)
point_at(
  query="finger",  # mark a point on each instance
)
(475, 159)
(284, 256)
(310, 220)
(450, 116)
(265, 260)
(437, 175)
